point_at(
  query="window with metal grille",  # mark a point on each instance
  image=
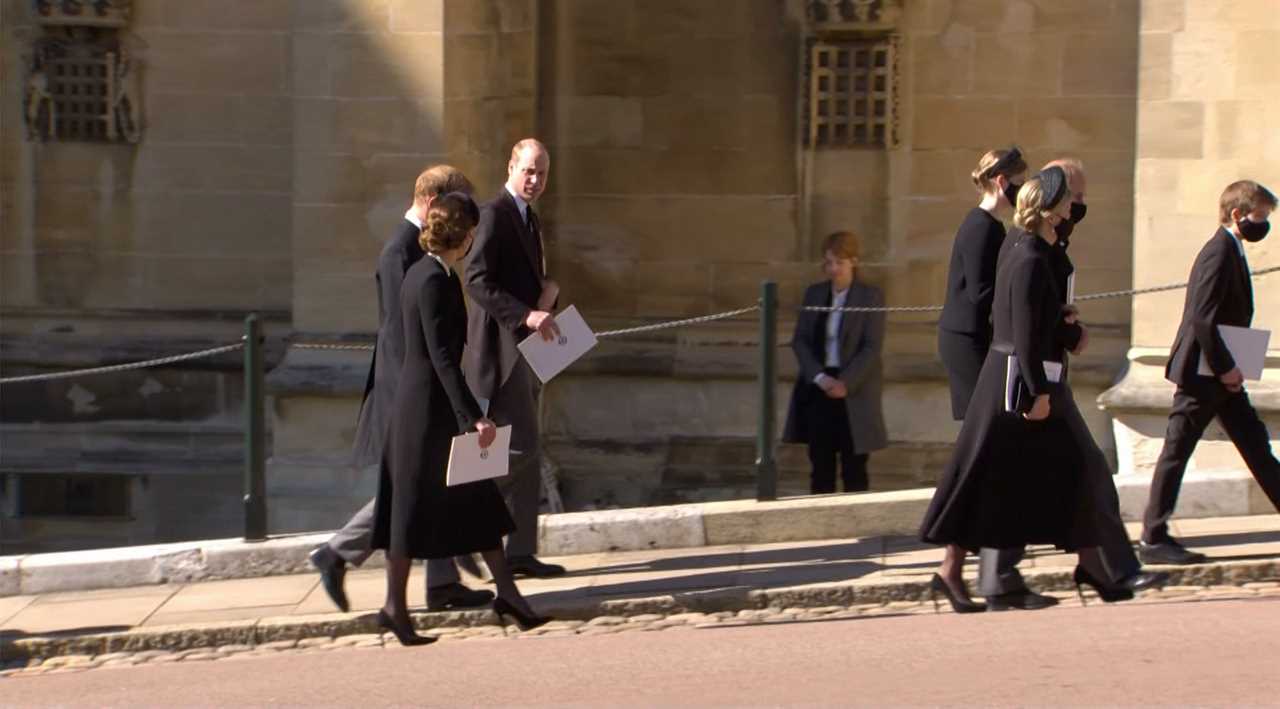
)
(78, 83)
(851, 93)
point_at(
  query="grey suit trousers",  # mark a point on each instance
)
(353, 541)
(998, 568)
(516, 405)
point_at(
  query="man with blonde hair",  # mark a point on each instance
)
(352, 543)
(507, 282)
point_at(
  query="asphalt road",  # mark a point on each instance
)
(1205, 653)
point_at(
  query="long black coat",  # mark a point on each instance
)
(1012, 482)
(417, 515)
(401, 252)
(861, 341)
(504, 279)
(1220, 293)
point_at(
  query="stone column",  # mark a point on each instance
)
(381, 90)
(1205, 115)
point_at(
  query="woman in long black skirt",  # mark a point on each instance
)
(418, 516)
(964, 330)
(1012, 479)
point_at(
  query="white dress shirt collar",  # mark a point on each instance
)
(522, 205)
(411, 216)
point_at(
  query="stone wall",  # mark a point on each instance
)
(282, 140)
(1204, 121)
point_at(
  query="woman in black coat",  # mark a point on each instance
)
(964, 330)
(1013, 476)
(417, 515)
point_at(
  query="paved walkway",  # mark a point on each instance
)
(591, 579)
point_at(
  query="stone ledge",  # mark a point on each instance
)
(1222, 493)
(848, 593)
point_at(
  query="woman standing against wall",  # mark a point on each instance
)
(835, 405)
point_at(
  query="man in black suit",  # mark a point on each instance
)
(351, 544)
(1220, 293)
(506, 279)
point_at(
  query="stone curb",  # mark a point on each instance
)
(1204, 494)
(296, 628)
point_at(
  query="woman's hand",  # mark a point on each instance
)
(488, 432)
(832, 387)
(1039, 410)
(1070, 314)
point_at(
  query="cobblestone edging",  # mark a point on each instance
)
(253, 638)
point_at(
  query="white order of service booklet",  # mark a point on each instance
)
(468, 462)
(549, 358)
(1248, 347)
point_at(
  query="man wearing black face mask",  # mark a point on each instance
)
(1220, 293)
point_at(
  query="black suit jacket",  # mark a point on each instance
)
(1219, 293)
(971, 277)
(401, 252)
(504, 279)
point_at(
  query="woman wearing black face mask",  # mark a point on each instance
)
(1015, 469)
(1112, 568)
(964, 330)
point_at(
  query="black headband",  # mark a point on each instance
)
(1008, 159)
(1053, 186)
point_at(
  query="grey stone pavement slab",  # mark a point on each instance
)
(591, 577)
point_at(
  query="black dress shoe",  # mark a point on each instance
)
(530, 566)
(455, 596)
(1142, 580)
(1168, 552)
(333, 571)
(1024, 600)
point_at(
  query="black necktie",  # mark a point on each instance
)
(535, 230)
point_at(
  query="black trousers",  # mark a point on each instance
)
(1194, 406)
(829, 437)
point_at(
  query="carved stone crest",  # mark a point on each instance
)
(854, 14)
(82, 80)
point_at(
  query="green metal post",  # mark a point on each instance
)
(766, 465)
(255, 494)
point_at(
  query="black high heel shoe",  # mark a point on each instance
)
(526, 622)
(1108, 594)
(959, 605)
(406, 636)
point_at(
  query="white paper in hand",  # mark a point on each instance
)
(1248, 347)
(547, 359)
(468, 462)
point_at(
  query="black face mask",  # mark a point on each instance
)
(1078, 210)
(1253, 231)
(1011, 193)
(1063, 229)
